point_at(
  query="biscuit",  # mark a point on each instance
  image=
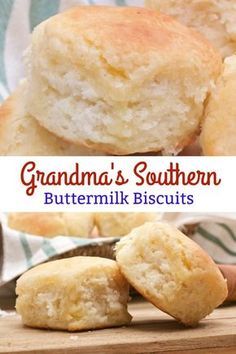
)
(122, 80)
(21, 134)
(171, 271)
(52, 224)
(120, 224)
(216, 19)
(219, 125)
(73, 294)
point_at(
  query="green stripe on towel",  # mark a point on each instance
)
(229, 230)
(5, 13)
(48, 249)
(40, 10)
(26, 248)
(207, 235)
(120, 3)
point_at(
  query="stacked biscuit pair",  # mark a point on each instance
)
(161, 263)
(110, 80)
(216, 20)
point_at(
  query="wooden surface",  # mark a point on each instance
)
(151, 332)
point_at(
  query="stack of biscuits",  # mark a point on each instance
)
(216, 20)
(79, 224)
(123, 80)
(160, 262)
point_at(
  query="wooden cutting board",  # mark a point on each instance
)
(151, 332)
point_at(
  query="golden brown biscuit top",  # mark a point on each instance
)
(121, 31)
(80, 266)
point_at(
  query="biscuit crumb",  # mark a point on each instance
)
(74, 337)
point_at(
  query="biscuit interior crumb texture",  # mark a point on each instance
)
(216, 19)
(73, 294)
(219, 125)
(171, 271)
(120, 79)
(22, 135)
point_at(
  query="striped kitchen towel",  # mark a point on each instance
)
(17, 20)
(19, 251)
(219, 240)
(215, 233)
